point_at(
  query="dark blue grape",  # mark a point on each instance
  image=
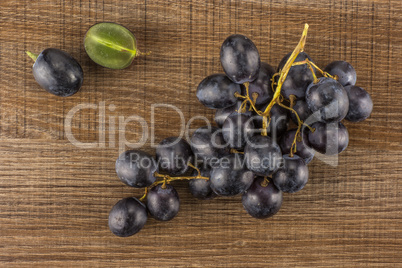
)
(222, 114)
(262, 201)
(302, 110)
(136, 168)
(127, 217)
(292, 176)
(329, 139)
(58, 72)
(237, 130)
(201, 188)
(207, 143)
(240, 59)
(328, 98)
(263, 155)
(302, 147)
(262, 85)
(360, 104)
(217, 91)
(173, 154)
(230, 177)
(345, 72)
(163, 202)
(298, 78)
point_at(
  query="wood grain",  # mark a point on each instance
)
(55, 197)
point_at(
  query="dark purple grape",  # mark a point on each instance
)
(201, 188)
(136, 168)
(262, 201)
(163, 202)
(329, 139)
(127, 217)
(345, 72)
(222, 114)
(263, 155)
(298, 78)
(240, 59)
(292, 176)
(217, 91)
(262, 85)
(173, 154)
(278, 124)
(58, 72)
(360, 104)
(230, 177)
(302, 110)
(237, 130)
(207, 143)
(328, 98)
(302, 147)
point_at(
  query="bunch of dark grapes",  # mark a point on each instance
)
(254, 151)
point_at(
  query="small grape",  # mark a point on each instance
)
(328, 98)
(127, 217)
(302, 110)
(173, 155)
(302, 147)
(279, 121)
(217, 91)
(201, 188)
(263, 155)
(222, 114)
(57, 72)
(345, 72)
(207, 143)
(328, 139)
(262, 85)
(163, 202)
(230, 177)
(237, 130)
(136, 168)
(262, 201)
(292, 176)
(240, 59)
(360, 104)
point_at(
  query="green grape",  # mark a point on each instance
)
(111, 45)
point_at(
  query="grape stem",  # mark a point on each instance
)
(166, 179)
(32, 55)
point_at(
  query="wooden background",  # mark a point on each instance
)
(55, 197)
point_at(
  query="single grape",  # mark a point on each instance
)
(263, 155)
(222, 114)
(302, 147)
(262, 85)
(240, 59)
(360, 104)
(237, 130)
(110, 45)
(278, 124)
(328, 98)
(262, 201)
(163, 202)
(136, 168)
(217, 91)
(207, 143)
(345, 72)
(173, 155)
(298, 78)
(292, 176)
(127, 217)
(201, 188)
(329, 139)
(302, 110)
(230, 177)
(57, 72)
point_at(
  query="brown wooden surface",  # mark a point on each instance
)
(55, 197)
